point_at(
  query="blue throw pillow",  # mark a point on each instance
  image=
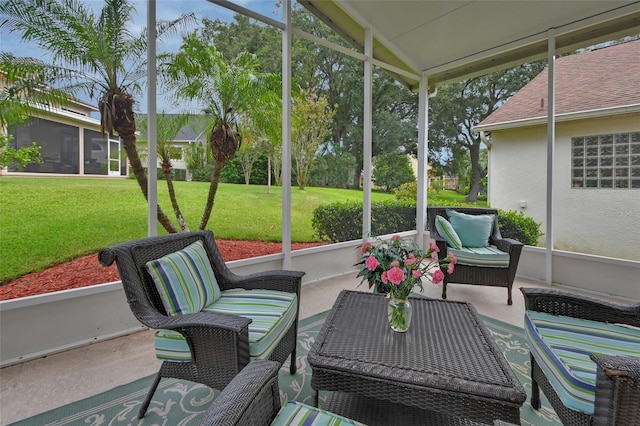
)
(447, 232)
(185, 280)
(473, 230)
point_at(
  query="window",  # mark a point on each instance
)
(606, 161)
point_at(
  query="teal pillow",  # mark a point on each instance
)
(185, 280)
(473, 230)
(447, 232)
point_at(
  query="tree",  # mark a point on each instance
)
(458, 107)
(95, 54)
(311, 118)
(22, 88)
(392, 170)
(167, 128)
(228, 92)
(12, 157)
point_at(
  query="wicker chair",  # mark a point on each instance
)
(477, 274)
(219, 343)
(253, 399)
(617, 389)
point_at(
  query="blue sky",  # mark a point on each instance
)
(165, 10)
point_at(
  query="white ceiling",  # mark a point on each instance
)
(450, 40)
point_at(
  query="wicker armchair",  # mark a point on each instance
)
(219, 343)
(477, 274)
(617, 388)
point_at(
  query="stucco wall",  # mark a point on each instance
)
(604, 222)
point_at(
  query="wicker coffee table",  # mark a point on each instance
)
(446, 366)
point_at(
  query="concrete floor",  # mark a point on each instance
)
(40, 385)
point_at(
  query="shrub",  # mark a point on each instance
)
(516, 225)
(202, 174)
(343, 221)
(407, 191)
(338, 222)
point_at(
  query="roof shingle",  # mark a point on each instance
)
(598, 79)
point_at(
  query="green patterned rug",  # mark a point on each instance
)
(179, 402)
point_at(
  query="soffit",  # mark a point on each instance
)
(453, 40)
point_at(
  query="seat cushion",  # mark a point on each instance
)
(297, 413)
(185, 280)
(481, 256)
(562, 345)
(447, 232)
(272, 314)
(473, 230)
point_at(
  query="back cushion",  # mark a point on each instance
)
(447, 232)
(473, 230)
(185, 280)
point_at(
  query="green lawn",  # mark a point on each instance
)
(45, 220)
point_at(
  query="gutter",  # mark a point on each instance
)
(568, 116)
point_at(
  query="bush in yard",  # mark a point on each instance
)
(516, 225)
(343, 221)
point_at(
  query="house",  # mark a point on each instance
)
(597, 151)
(196, 131)
(71, 141)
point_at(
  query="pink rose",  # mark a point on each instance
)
(395, 275)
(366, 248)
(384, 278)
(450, 269)
(372, 263)
(453, 258)
(416, 273)
(434, 256)
(434, 247)
(395, 238)
(395, 264)
(438, 276)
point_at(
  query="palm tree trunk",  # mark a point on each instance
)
(116, 113)
(166, 169)
(141, 177)
(213, 189)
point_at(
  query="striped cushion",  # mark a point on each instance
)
(481, 256)
(272, 313)
(448, 233)
(297, 413)
(562, 345)
(184, 279)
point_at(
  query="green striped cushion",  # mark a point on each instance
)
(448, 233)
(272, 314)
(185, 280)
(297, 413)
(481, 256)
(562, 345)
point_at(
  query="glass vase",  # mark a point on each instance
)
(399, 311)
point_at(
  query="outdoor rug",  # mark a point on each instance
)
(180, 402)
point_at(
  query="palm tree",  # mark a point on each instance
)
(228, 92)
(94, 54)
(168, 126)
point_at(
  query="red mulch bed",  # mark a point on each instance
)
(86, 270)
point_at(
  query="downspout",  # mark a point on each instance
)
(487, 143)
(423, 153)
(551, 140)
